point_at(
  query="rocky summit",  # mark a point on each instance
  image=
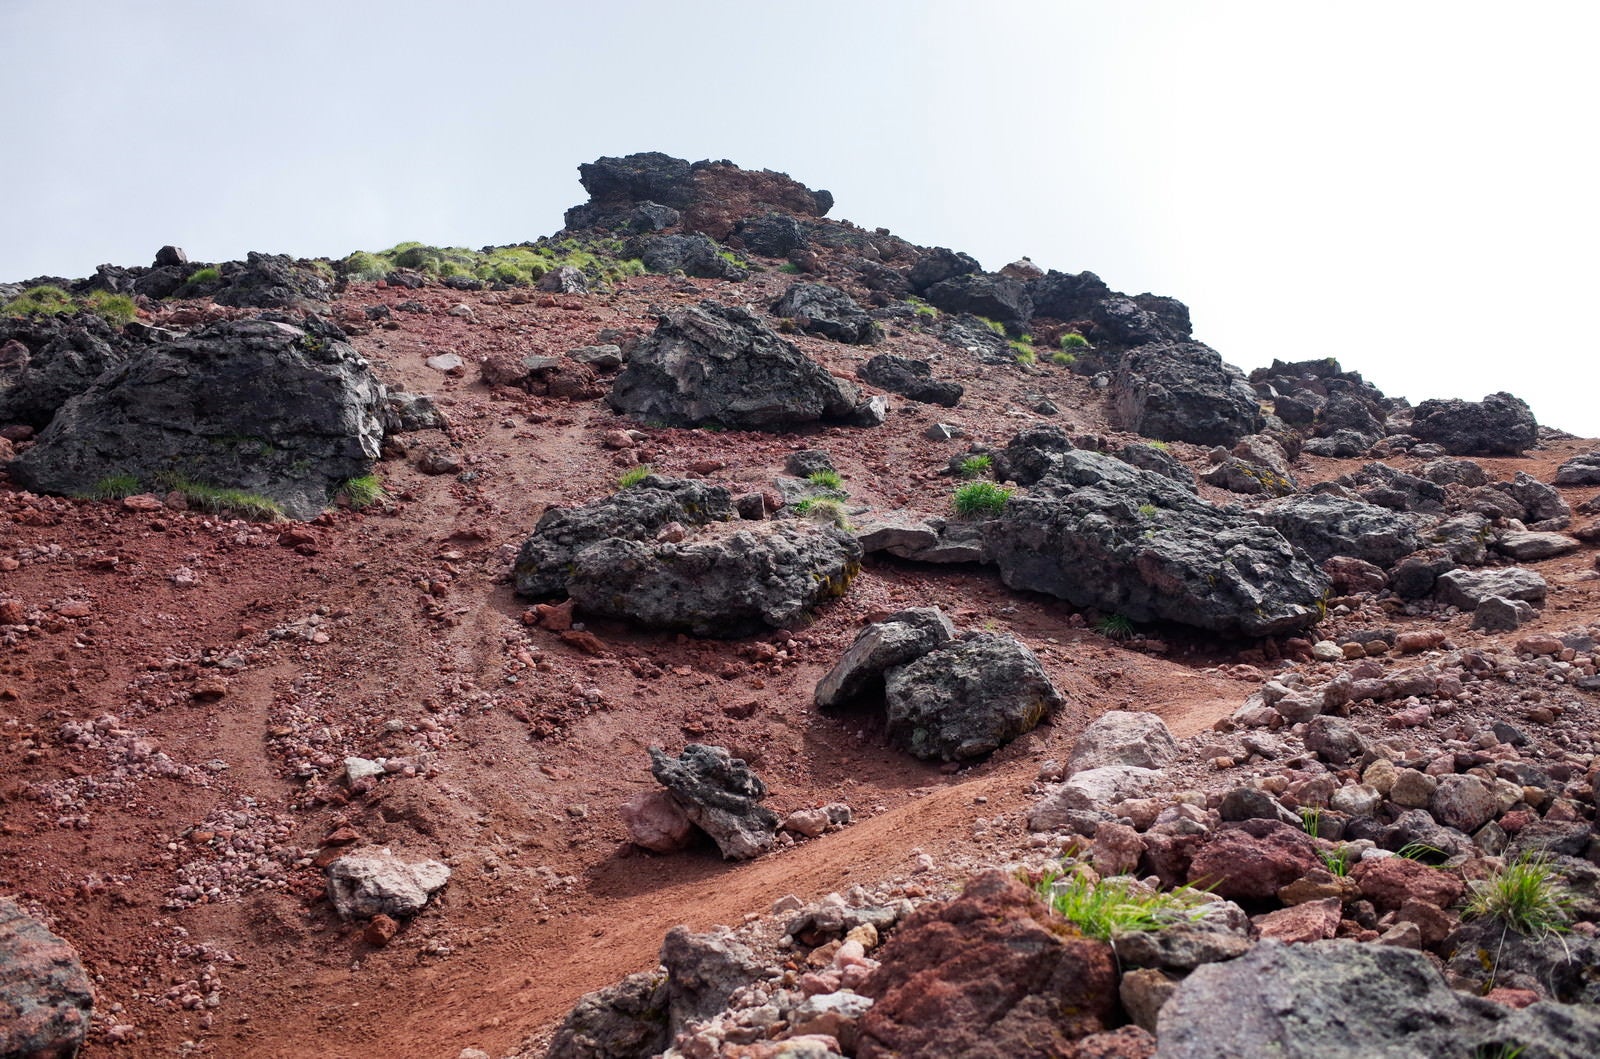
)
(719, 629)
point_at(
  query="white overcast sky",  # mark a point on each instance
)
(1408, 186)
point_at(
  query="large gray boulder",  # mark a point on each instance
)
(545, 562)
(45, 996)
(991, 296)
(1583, 469)
(1345, 1000)
(828, 311)
(1467, 588)
(721, 796)
(704, 971)
(900, 638)
(910, 378)
(377, 882)
(1324, 526)
(728, 581)
(260, 406)
(1499, 425)
(694, 255)
(1123, 737)
(1183, 392)
(273, 281)
(720, 366)
(1100, 533)
(45, 360)
(967, 697)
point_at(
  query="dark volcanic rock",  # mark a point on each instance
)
(1031, 453)
(711, 197)
(1580, 470)
(717, 584)
(704, 971)
(721, 366)
(986, 976)
(774, 235)
(910, 378)
(546, 561)
(828, 311)
(938, 265)
(695, 255)
(257, 405)
(1156, 461)
(623, 1021)
(894, 641)
(56, 357)
(1102, 534)
(273, 281)
(1183, 392)
(981, 294)
(1499, 425)
(721, 797)
(45, 996)
(1325, 526)
(967, 697)
(1105, 315)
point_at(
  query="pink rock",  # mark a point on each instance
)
(1117, 848)
(656, 822)
(1311, 921)
(1253, 860)
(1390, 882)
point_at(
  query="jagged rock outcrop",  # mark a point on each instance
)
(693, 255)
(46, 360)
(1324, 526)
(910, 378)
(1031, 452)
(967, 697)
(711, 197)
(828, 311)
(262, 406)
(717, 365)
(1106, 316)
(1499, 425)
(273, 281)
(1183, 392)
(992, 297)
(730, 583)
(623, 1021)
(1583, 469)
(1099, 533)
(720, 795)
(45, 996)
(547, 559)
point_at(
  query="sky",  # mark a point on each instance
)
(1407, 186)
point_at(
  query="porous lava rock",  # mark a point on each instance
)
(545, 563)
(720, 795)
(261, 406)
(910, 378)
(967, 697)
(46, 360)
(1102, 534)
(900, 638)
(1183, 392)
(717, 365)
(273, 281)
(627, 1020)
(727, 584)
(1123, 737)
(828, 311)
(1252, 859)
(990, 975)
(1325, 526)
(1499, 425)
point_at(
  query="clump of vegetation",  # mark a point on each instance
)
(1526, 895)
(994, 325)
(222, 501)
(1024, 351)
(1115, 627)
(977, 466)
(789, 268)
(1072, 341)
(49, 300)
(1421, 851)
(1148, 510)
(634, 475)
(826, 479)
(599, 260)
(203, 276)
(43, 300)
(113, 487)
(363, 491)
(923, 308)
(116, 308)
(980, 498)
(1107, 908)
(1066, 360)
(823, 509)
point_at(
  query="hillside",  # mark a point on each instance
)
(203, 713)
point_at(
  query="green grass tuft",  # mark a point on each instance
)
(1526, 895)
(634, 475)
(980, 498)
(822, 509)
(1024, 351)
(1115, 627)
(1072, 340)
(114, 487)
(223, 501)
(364, 491)
(826, 480)
(977, 466)
(1112, 907)
(205, 275)
(789, 268)
(117, 309)
(1066, 360)
(43, 300)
